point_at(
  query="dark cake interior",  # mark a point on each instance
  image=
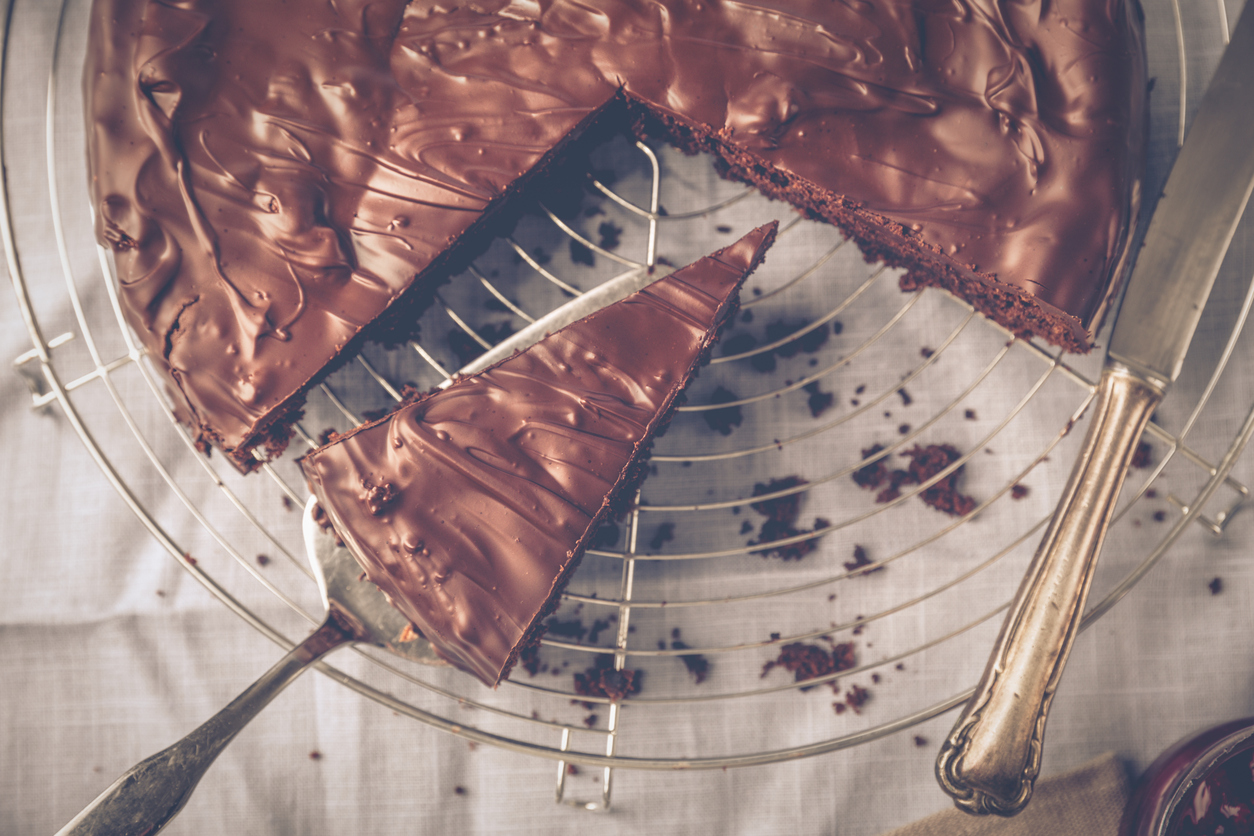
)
(470, 506)
(273, 179)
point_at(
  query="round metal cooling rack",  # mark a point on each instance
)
(828, 369)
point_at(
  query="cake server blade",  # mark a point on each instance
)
(990, 761)
(151, 794)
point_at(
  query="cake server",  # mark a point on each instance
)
(991, 759)
(153, 792)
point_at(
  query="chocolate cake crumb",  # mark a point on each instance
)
(724, 420)
(723, 228)
(327, 436)
(315, 755)
(1018, 491)
(904, 429)
(287, 502)
(875, 679)
(856, 697)
(1150, 493)
(920, 740)
(1160, 516)
(860, 559)
(459, 790)
(1143, 457)
(926, 352)
(861, 388)
(601, 680)
(590, 720)
(263, 560)
(969, 415)
(925, 462)
(746, 527)
(818, 400)
(746, 316)
(1216, 586)
(906, 400)
(572, 769)
(810, 661)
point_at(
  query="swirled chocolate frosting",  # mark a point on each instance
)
(470, 506)
(272, 176)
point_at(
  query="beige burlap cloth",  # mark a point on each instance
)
(1088, 801)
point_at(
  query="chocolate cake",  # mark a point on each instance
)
(273, 179)
(470, 506)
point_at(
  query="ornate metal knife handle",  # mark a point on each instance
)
(991, 759)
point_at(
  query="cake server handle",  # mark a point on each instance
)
(991, 759)
(151, 793)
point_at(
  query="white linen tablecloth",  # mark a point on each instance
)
(110, 651)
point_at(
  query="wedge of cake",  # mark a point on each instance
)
(279, 181)
(470, 506)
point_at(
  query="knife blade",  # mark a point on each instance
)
(1206, 193)
(991, 759)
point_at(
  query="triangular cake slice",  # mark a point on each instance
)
(470, 506)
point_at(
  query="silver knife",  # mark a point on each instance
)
(991, 759)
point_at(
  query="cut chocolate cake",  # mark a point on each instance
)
(273, 178)
(470, 506)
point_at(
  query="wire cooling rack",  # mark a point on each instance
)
(829, 368)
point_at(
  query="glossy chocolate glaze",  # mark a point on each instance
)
(468, 507)
(271, 176)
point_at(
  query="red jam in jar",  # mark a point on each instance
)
(1201, 786)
